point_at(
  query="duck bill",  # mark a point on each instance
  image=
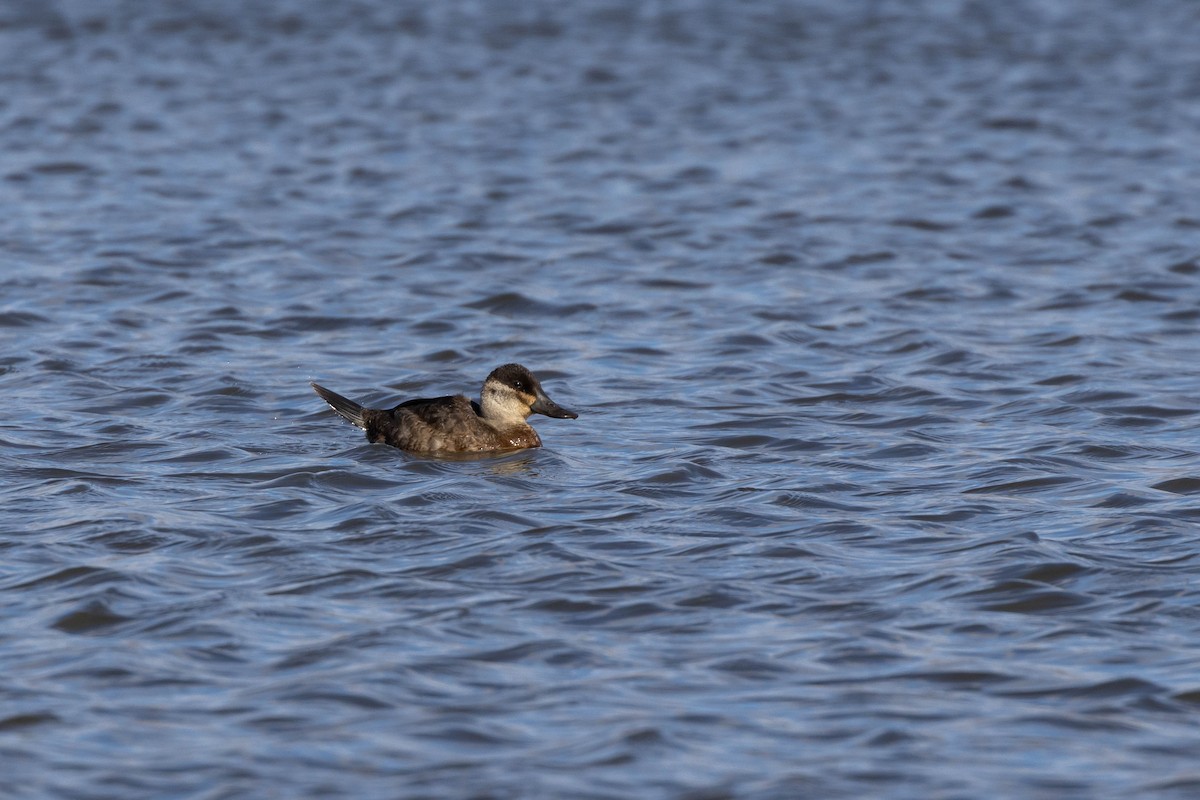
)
(544, 405)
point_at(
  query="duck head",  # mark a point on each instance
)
(512, 392)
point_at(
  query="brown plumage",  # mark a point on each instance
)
(454, 424)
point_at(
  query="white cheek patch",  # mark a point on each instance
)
(505, 403)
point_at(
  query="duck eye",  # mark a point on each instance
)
(519, 386)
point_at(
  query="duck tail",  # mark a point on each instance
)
(349, 409)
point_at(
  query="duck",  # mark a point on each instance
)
(455, 424)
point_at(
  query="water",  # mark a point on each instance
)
(881, 319)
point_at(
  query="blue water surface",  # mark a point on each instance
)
(882, 323)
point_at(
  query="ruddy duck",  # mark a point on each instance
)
(455, 424)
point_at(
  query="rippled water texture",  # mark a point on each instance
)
(881, 318)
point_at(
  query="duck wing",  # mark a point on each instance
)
(444, 413)
(431, 424)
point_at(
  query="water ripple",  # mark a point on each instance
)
(881, 325)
